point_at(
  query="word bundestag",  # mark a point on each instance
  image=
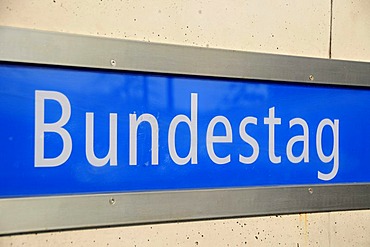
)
(134, 121)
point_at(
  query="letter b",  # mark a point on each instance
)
(41, 127)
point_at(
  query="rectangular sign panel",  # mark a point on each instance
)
(78, 131)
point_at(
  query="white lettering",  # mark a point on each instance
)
(218, 139)
(335, 151)
(191, 152)
(134, 124)
(272, 121)
(192, 123)
(300, 138)
(248, 139)
(41, 127)
(112, 153)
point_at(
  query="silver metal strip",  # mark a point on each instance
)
(67, 212)
(31, 46)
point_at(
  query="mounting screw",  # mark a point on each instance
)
(113, 62)
(311, 78)
(112, 201)
(310, 190)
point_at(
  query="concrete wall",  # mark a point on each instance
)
(328, 29)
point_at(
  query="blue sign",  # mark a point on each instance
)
(79, 131)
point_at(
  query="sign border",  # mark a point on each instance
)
(34, 214)
(30, 214)
(62, 49)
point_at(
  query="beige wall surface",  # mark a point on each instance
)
(337, 29)
(287, 27)
(351, 30)
(320, 229)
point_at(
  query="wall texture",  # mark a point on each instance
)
(328, 29)
(321, 229)
(351, 30)
(288, 27)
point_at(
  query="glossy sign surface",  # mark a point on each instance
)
(225, 133)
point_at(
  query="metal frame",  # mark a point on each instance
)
(41, 47)
(81, 211)
(45, 213)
